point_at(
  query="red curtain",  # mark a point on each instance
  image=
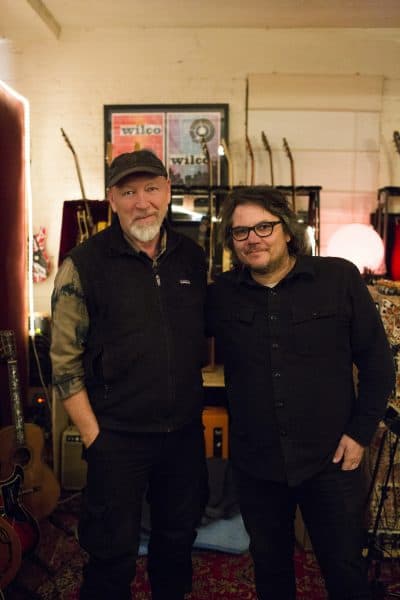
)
(13, 242)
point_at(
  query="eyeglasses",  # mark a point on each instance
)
(263, 229)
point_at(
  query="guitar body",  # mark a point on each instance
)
(10, 553)
(40, 487)
(15, 513)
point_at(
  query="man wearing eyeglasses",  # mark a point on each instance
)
(289, 327)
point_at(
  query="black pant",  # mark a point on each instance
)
(171, 468)
(331, 504)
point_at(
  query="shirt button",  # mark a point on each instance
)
(275, 345)
(276, 374)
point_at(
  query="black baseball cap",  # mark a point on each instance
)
(139, 161)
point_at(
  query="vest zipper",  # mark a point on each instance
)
(156, 275)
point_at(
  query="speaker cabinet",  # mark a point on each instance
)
(73, 468)
(215, 421)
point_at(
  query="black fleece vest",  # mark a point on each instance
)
(146, 343)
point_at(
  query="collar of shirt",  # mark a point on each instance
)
(303, 266)
(162, 245)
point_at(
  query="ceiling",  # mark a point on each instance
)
(55, 16)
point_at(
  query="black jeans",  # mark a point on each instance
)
(331, 504)
(171, 468)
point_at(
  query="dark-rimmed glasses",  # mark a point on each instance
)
(263, 229)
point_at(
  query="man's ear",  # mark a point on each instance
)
(110, 199)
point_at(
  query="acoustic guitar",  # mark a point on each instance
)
(10, 553)
(22, 446)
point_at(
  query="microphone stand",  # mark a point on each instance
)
(375, 553)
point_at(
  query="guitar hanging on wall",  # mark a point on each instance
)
(22, 446)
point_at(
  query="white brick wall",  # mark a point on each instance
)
(67, 82)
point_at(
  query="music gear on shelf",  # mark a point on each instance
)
(22, 446)
(215, 421)
(73, 468)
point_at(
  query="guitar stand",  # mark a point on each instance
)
(374, 552)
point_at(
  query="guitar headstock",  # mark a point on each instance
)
(67, 140)
(265, 142)
(7, 345)
(396, 139)
(287, 148)
(249, 147)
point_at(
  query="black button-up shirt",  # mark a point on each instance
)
(289, 353)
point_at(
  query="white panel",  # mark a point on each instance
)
(349, 171)
(337, 150)
(330, 92)
(333, 130)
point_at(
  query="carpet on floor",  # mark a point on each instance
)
(54, 572)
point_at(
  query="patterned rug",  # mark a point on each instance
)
(54, 573)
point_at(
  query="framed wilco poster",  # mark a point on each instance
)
(176, 133)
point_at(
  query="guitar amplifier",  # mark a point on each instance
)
(215, 421)
(73, 468)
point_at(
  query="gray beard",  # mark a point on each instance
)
(145, 233)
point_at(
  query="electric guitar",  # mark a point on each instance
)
(21, 447)
(251, 155)
(14, 512)
(269, 152)
(85, 222)
(292, 172)
(211, 211)
(226, 254)
(10, 553)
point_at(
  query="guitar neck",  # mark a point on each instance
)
(89, 217)
(292, 172)
(269, 151)
(16, 405)
(251, 154)
(8, 351)
(210, 209)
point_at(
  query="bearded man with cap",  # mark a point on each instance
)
(127, 350)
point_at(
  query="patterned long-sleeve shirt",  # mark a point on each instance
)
(70, 323)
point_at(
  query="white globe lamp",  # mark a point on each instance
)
(360, 244)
